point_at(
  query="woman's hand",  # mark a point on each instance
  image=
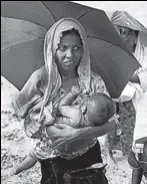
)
(72, 137)
(66, 133)
(32, 127)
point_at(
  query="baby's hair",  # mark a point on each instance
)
(107, 104)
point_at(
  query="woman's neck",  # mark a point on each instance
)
(68, 74)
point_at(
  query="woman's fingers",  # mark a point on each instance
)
(28, 132)
(42, 119)
(35, 126)
(55, 137)
(32, 128)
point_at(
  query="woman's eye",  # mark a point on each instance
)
(77, 47)
(62, 48)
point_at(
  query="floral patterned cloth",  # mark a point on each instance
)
(123, 141)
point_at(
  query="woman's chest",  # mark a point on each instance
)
(67, 85)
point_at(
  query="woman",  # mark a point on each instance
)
(67, 63)
(133, 34)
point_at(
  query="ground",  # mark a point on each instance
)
(15, 146)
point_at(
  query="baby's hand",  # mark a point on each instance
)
(76, 90)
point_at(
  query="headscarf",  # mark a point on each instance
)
(54, 82)
(123, 18)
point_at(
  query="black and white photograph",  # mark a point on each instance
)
(73, 92)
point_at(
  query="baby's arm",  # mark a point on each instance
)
(64, 105)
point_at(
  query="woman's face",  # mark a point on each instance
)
(129, 36)
(69, 51)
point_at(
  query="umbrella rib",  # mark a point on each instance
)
(19, 43)
(108, 77)
(103, 40)
(48, 11)
(41, 26)
(112, 44)
(84, 14)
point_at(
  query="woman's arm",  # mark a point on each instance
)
(68, 134)
(94, 132)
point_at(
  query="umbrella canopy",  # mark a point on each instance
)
(24, 24)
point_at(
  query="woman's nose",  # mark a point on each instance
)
(124, 37)
(69, 53)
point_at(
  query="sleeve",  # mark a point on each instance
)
(142, 72)
(143, 78)
(28, 96)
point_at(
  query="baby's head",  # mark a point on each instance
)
(100, 108)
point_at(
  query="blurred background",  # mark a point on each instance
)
(135, 8)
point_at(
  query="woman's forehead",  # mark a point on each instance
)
(67, 25)
(71, 34)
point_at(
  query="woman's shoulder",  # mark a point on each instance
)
(39, 78)
(39, 74)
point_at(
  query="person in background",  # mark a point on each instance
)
(134, 35)
(130, 30)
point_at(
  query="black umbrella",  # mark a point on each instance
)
(24, 24)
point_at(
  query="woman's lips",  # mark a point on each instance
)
(68, 62)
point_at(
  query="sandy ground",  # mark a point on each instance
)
(15, 146)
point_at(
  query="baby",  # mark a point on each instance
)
(97, 111)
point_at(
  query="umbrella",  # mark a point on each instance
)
(24, 24)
